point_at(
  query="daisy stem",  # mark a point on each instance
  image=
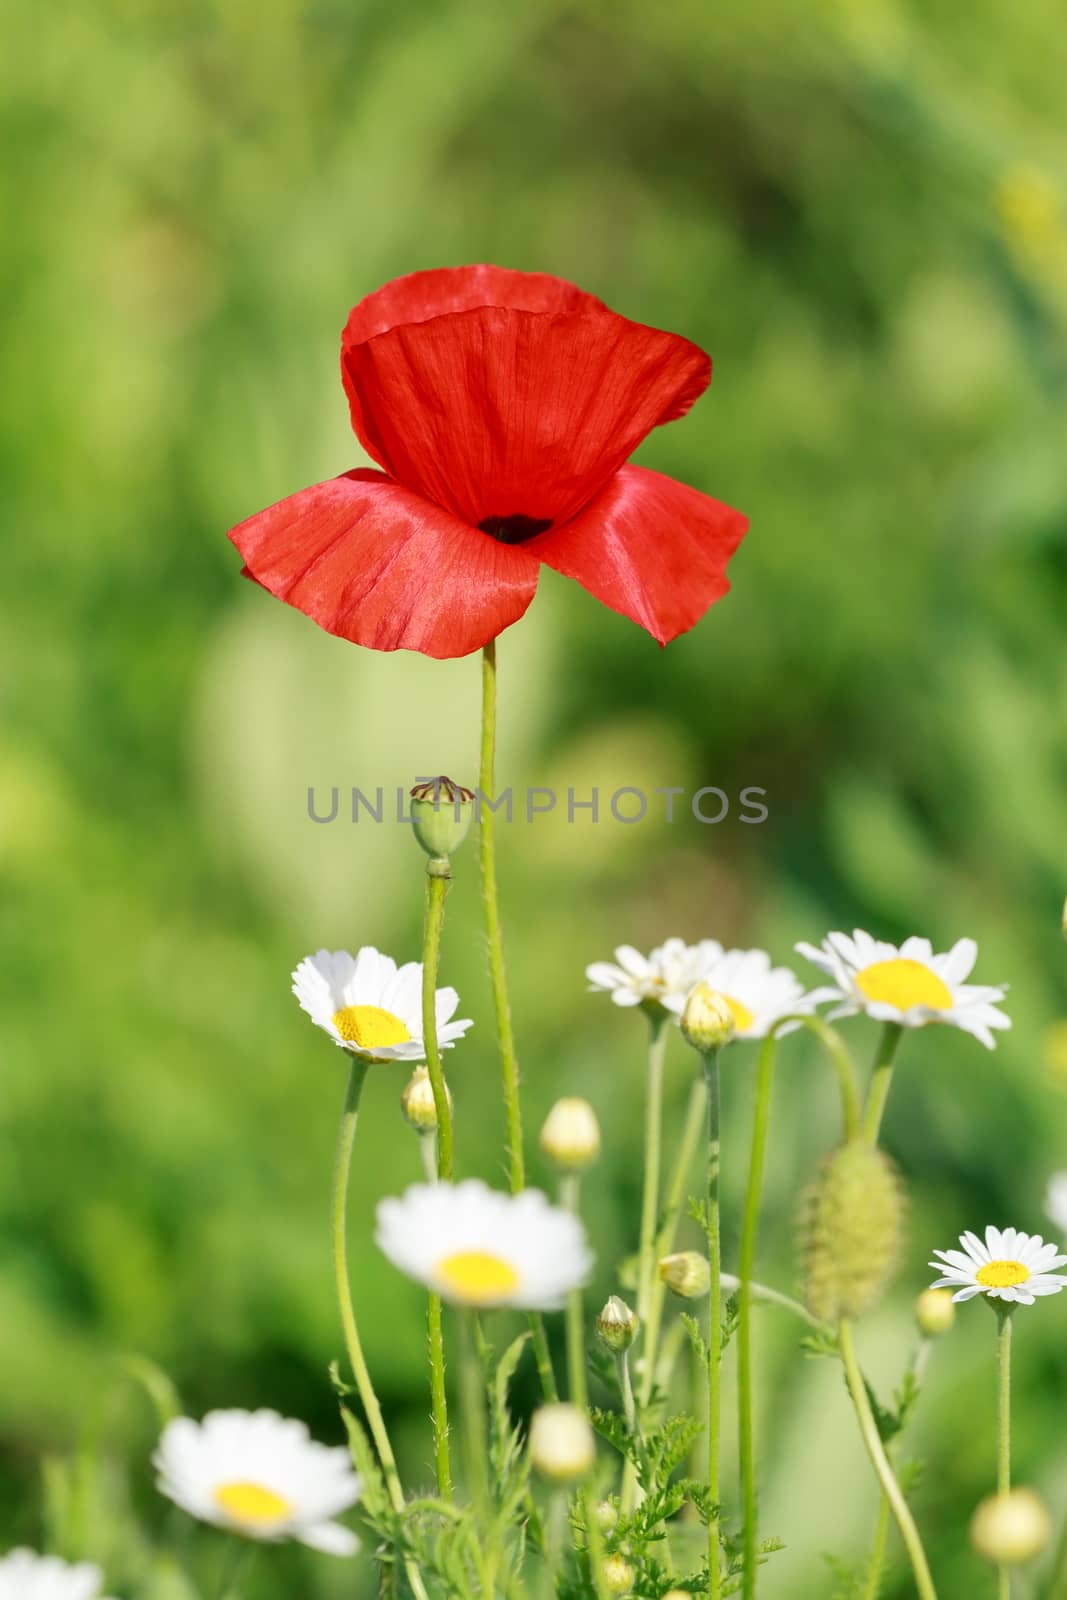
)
(749, 1228)
(473, 1410)
(1003, 1424)
(657, 1046)
(837, 1050)
(570, 1195)
(493, 932)
(881, 1079)
(857, 1388)
(494, 939)
(694, 1125)
(437, 881)
(357, 1077)
(646, 1260)
(711, 1080)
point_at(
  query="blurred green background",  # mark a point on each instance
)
(859, 209)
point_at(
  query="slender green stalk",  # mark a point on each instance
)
(774, 1297)
(570, 1195)
(841, 1061)
(881, 1080)
(436, 889)
(646, 1259)
(924, 1583)
(626, 1389)
(876, 1561)
(749, 1229)
(711, 1080)
(346, 1139)
(494, 939)
(428, 1153)
(1003, 1312)
(657, 1048)
(493, 932)
(695, 1118)
(473, 1412)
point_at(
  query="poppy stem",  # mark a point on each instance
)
(493, 931)
(494, 939)
(857, 1388)
(357, 1077)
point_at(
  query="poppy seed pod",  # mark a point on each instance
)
(617, 1325)
(441, 812)
(562, 1446)
(570, 1134)
(1011, 1528)
(686, 1274)
(707, 1022)
(851, 1231)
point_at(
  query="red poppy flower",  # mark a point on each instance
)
(501, 407)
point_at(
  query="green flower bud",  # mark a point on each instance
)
(1011, 1528)
(562, 1446)
(852, 1231)
(607, 1514)
(618, 1575)
(935, 1312)
(707, 1021)
(417, 1101)
(686, 1274)
(441, 814)
(570, 1136)
(617, 1325)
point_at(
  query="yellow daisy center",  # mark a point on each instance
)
(370, 1027)
(904, 984)
(1002, 1274)
(743, 1018)
(477, 1277)
(251, 1504)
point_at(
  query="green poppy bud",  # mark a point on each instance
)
(441, 814)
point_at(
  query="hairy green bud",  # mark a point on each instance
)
(851, 1231)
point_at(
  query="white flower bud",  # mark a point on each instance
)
(570, 1136)
(707, 1021)
(562, 1446)
(617, 1325)
(935, 1312)
(417, 1101)
(618, 1575)
(686, 1273)
(1011, 1528)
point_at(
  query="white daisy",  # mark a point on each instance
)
(664, 977)
(1009, 1266)
(909, 985)
(1056, 1199)
(24, 1575)
(478, 1247)
(261, 1475)
(372, 1007)
(756, 993)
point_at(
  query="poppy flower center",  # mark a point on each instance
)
(370, 1027)
(1002, 1274)
(477, 1277)
(251, 1504)
(515, 529)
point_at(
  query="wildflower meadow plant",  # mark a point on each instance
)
(501, 408)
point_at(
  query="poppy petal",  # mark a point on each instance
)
(421, 295)
(649, 547)
(370, 561)
(514, 416)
